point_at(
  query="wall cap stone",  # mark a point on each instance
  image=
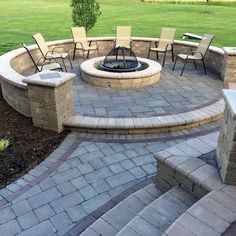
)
(49, 78)
(230, 100)
(230, 51)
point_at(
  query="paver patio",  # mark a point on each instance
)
(89, 171)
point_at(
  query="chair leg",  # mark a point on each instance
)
(195, 64)
(88, 54)
(204, 66)
(149, 53)
(74, 52)
(98, 52)
(64, 64)
(172, 53)
(70, 62)
(83, 55)
(164, 59)
(157, 55)
(185, 61)
(175, 63)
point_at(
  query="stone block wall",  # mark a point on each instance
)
(16, 97)
(226, 149)
(230, 64)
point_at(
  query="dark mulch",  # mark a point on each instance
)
(28, 145)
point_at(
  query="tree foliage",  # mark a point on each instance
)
(85, 13)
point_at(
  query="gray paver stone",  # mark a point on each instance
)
(61, 221)
(137, 172)
(44, 197)
(88, 192)
(66, 188)
(95, 202)
(10, 228)
(44, 228)
(101, 186)
(6, 214)
(119, 179)
(66, 202)
(76, 213)
(79, 182)
(21, 207)
(28, 220)
(44, 212)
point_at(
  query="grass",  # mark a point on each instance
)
(20, 19)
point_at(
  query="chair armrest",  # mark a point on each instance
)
(184, 50)
(58, 47)
(48, 57)
(43, 59)
(197, 52)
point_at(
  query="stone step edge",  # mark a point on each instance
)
(143, 196)
(213, 214)
(184, 198)
(180, 165)
(199, 116)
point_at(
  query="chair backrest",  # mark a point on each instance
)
(123, 36)
(167, 37)
(204, 44)
(79, 35)
(30, 55)
(41, 43)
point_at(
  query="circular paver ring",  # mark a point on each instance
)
(124, 80)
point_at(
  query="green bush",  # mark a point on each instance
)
(4, 143)
(85, 13)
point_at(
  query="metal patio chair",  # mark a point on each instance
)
(197, 55)
(165, 44)
(42, 64)
(81, 42)
(123, 36)
(52, 54)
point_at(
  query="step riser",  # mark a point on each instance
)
(145, 130)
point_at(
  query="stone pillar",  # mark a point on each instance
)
(230, 64)
(226, 149)
(50, 97)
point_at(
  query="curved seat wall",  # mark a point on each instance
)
(15, 64)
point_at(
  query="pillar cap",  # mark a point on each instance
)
(230, 100)
(49, 78)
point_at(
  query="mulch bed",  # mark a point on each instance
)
(28, 145)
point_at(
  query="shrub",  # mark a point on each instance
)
(4, 143)
(85, 13)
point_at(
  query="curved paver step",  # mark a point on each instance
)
(147, 124)
(156, 217)
(116, 218)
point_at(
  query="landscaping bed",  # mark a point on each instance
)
(29, 145)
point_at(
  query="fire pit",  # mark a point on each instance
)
(120, 69)
(120, 59)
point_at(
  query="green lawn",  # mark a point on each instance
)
(22, 18)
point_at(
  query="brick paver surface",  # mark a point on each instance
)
(172, 94)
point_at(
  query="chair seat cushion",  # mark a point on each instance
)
(191, 57)
(51, 66)
(57, 55)
(159, 49)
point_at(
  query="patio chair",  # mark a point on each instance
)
(165, 44)
(53, 54)
(123, 36)
(197, 55)
(42, 64)
(81, 42)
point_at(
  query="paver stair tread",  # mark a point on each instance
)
(117, 217)
(156, 217)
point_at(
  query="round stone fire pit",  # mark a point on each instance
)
(146, 74)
